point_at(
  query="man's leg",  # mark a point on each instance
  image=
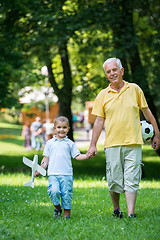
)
(115, 200)
(132, 175)
(131, 201)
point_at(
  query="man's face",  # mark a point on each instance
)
(114, 73)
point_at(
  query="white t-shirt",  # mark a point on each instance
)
(60, 153)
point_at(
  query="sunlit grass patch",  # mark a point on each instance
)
(26, 213)
(19, 179)
(150, 184)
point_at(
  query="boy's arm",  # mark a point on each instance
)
(44, 164)
(81, 157)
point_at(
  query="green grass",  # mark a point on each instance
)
(26, 213)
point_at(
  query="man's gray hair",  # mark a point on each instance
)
(118, 61)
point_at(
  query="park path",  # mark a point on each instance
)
(82, 140)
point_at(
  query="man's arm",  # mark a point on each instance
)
(97, 129)
(39, 131)
(150, 118)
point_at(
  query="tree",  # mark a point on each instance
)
(74, 38)
(33, 26)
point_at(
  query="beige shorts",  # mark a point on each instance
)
(123, 168)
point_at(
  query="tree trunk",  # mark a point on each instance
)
(65, 93)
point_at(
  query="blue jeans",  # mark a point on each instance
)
(61, 188)
(36, 142)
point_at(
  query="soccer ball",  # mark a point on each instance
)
(147, 130)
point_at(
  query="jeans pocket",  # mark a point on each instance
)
(49, 187)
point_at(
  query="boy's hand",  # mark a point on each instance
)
(37, 174)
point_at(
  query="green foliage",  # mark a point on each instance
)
(74, 38)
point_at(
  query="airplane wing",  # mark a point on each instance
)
(27, 162)
(41, 170)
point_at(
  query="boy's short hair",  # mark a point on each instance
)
(61, 119)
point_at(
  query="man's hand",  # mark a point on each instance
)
(156, 142)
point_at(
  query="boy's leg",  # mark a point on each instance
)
(57, 211)
(67, 213)
(58, 207)
(54, 194)
(66, 194)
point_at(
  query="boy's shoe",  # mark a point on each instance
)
(57, 212)
(67, 217)
(117, 213)
(132, 215)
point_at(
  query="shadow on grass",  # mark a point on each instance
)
(19, 142)
(13, 164)
(151, 170)
(11, 131)
(95, 167)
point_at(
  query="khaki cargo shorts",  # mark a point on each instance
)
(123, 168)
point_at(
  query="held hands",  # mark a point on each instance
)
(92, 152)
(89, 155)
(85, 156)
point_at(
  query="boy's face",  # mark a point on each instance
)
(61, 129)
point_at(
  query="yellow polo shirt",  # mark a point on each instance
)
(121, 113)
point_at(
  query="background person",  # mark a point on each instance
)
(118, 106)
(36, 132)
(57, 156)
(49, 129)
(27, 135)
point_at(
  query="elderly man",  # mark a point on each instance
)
(118, 107)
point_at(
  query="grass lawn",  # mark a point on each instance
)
(26, 213)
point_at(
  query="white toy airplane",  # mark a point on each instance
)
(35, 166)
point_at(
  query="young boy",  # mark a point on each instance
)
(57, 156)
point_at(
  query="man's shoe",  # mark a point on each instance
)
(132, 215)
(117, 213)
(57, 212)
